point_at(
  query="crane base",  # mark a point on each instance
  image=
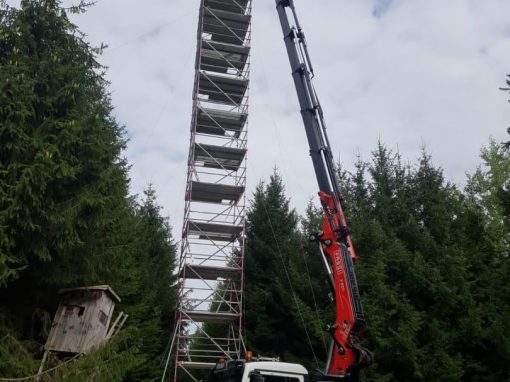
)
(319, 376)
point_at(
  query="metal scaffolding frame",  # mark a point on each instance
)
(209, 315)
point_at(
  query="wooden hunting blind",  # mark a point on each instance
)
(82, 319)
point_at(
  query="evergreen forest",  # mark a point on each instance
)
(434, 269)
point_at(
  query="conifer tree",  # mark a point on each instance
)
(62, 177)
(149, 290)
(408, 274)
(488, 319)
(489, 187)
(276, 319)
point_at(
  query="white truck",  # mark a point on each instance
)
(258, 371)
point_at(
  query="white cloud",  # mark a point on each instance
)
(407, 72)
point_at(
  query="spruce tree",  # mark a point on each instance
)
(149, 290)
(66, 219)
(276, 319)
(412, 270)
(62, 177)
(488, 319)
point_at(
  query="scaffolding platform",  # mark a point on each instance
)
(214, 192)
(229, 90)
(218, 122)
(207, 316)
(228, 158)
(220, 57)
(236, 6)
(207, 272)
(196, 365)
(225, 26)
(214, 231)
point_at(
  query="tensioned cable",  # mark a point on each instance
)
(313, 296)
(38, 375)
(42, 373)
(169, 355)
(290, 283)
(278, 140)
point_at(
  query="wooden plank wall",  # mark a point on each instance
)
(81, 322)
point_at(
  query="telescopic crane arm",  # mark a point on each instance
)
(346, 355)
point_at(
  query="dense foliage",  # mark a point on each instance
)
(66, 218)
(433, 273)
(277, 319)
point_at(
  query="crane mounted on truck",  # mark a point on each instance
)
(346, 355)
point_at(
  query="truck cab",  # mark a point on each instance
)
(258, 371)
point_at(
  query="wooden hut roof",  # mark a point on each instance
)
(104, 288)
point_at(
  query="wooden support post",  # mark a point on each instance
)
(117, 325)
(43, 361)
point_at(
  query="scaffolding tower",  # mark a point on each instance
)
(209, 315)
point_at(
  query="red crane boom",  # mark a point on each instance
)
(346, 355)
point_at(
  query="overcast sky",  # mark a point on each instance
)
(406, 72)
